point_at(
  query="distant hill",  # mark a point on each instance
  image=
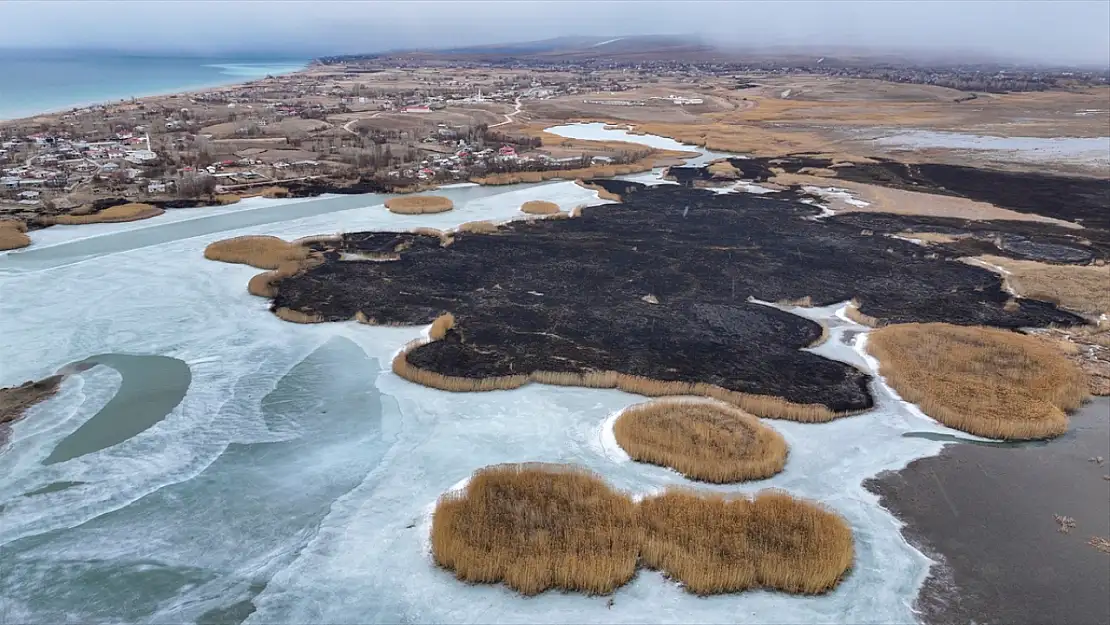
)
(680, 48)
(630, 48)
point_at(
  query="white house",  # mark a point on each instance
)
(140, 156)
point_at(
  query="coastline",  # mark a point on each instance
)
(220, 79)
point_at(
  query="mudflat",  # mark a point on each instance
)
(989, 514)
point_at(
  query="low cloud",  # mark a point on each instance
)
(1053, 31)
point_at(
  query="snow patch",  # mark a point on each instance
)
(836, 193)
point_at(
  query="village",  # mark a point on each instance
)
(354, 124)
(330, 127)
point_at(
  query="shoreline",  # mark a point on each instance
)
(986, 515)
(182, 91)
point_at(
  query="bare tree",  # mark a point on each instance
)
(195, 185)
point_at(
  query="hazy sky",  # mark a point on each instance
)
(1048, 31)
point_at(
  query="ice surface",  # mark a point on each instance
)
(1095, 150)
(748, 187)
(60, 245)
(834, 193)
(596, 131)
(298, 470)
(353, 570)
(607, 439)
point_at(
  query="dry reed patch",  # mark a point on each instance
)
(509, 178)
(263, 252)
(703, 441)
(282, 258)
(852, 311)
(265, 283)
(419, 204)
(760, 405)
(428, 232)
(318, 238)
(981, 380)
(1084, 289)
(1088, 347)
(478, 227)
(724, 169)
(225, 199)
(297, 316)
(15, 400)
(713, 544)
(132, 211)
(445, 238)
(594, 171)
(274, 192)
(441, 325)
(602, 193)
(536, 527)
(804, 302)
(539, 207)
(13, 235)
(824, 335)
(740, 136)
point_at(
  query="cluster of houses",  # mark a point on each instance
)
(455, 166)
(117, 150)
(673, 99)
(466, 159)
(35, 163)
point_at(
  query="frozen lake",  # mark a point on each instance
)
(1093, 150)
(597, 131)
(291, 480)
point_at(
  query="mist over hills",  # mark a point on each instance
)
(701, 49)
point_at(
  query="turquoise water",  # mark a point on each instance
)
(33, 82)
(152, 386)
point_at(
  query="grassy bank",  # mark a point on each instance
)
(602, 192)
(15, 400)
(983, 381)
(132, 211)
(596, 171)
(282, 258)
(761, 405)
(13, 235)
(1084, 289)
